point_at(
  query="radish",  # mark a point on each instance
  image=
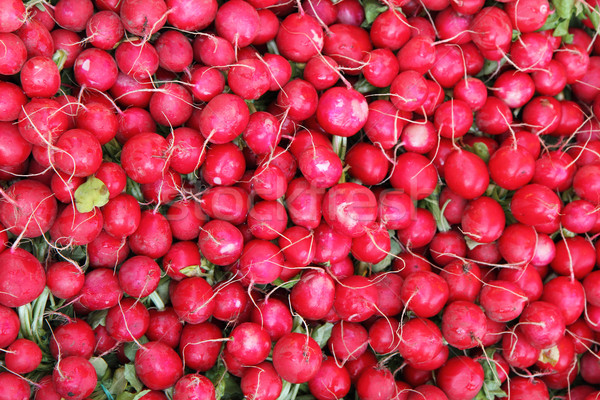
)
(461, 378)
(23, 356)
(238, 22)
(185, 219)
(171, 105)
(347, 44)
(105, 30)
(164, 327)
(355, 299)
(502, 301)
(9, 326)
(390, 30)
(384, 123)
(143, 17)
(297, 357)
(199, 345)
(96, 69)
(13, 387)
(231, 301)
(127, 321)
(424, 293)
(300, 37)
(348, 341)
(100, 290)
(463, 324)
(158, 366)
(224, 165)
(107, 252)
(274, 316)
(415, 175)
(70, 43)
(193, 385)
(139, 276)
(74, 377)
(36, 38)
(249, 344)
(331, 382)
(180, 17)
(64, 279)
(11, 102)
(22, 278)
(420, 341)
(75, 338)
(376, 383)
(192, 300)
(383, 336)
(40, 123)
(99, 120)
(137, 59)
(144, 157)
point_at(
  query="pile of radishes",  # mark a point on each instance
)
(279, 199)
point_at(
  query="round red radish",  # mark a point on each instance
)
(297, 357)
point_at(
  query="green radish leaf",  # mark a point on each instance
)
(287, 284)
(387, 261)
(126, 396)
(119, 383)
(141, 394)
(550, 23)
(594, 17)
(132, 378)
(562, 28)
(372, 10)
(96, 318)
(92, 193)
(322, 333)
(564, 8)
(99, 365)
(226, 388)
(130, 348)
(491, 382)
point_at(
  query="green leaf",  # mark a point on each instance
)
(92, 193)
(100, 366)
(130, 348)
(141, 394)
(550, 23)
(287, 284)
(594, 17)
(562, 28)
(96, 318)
(491, 383)
(59, 58)
(226, 387)
(372, 10)
(126, 396)
(119, 383)
(132, 378)
(192, 270)
(387, 261)
(564, 8)
(322, 333)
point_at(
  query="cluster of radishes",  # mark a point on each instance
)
(271, 199)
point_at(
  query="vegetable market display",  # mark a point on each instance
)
(278, 199)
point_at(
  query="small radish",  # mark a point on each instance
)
(74, 378)
(249, 343)
(200, 345)
(23, 356)
(297, 357)
(164, 326)
(193, 386)
(14, 387)
(143, 17)
(192, 300)
(127, 321)
(460, 378)
(22, 277)
(158, 366)
(9, 326)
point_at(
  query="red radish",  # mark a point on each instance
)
(14, 387)
(9, 326)
(249, 343)
(22, 278)
(463, 324)
(70, 43)
(383, 335)
(517, 350)
(15, 56)
(376, 383)
(96, 69)
(415, 175)
(297, 357)
(543, 324)
(424, 293)
(355, 299)
(101, 290)
(261, 382)
(331, 245)
(494, 117)
(224, 164)
(99, 120)
(171, 105)
(33, 210)
(40, 123)
(262, 133)
(185, 219)
(267, 220)
(535, 204)
(395, 209)
(164, 326)
(420, 341)
(206, 83)
(586, 184)
(420, 232)
(527, 278)
(238, 22)
(231, 300)
(134, 120)
(139, 276)
(213, 51)
(347, 44)
(192, 300)
(297, 245)
(373, 246)
(511, 167)
(298, 99)
(74, 378)
(388, 286)
(321, 72)
(74, 228)
(158, 366)
(193, 386)
(303, 301)
(107, 252)
(384, 123)
(180, 17)
(121, 216)
(199, 345)
(453, 119)
(104, 30)
(467, 174)
(359, 208)
(226, 203)
(274, 316)
(409, 91)
(300, 37)
(220, 242)
(143, 17)
(348, 341)
(174, 50)
(390, 29)
(11, 102)
(144, 157)
(268, 27)
(460, 378)
(36, 38)
(127, 321)
(73, 14)
(448, 68)
(137, 59)
(64, 279)
(40, 77)
(502, 301)
(320, 166)
(260, 262)
(78, 153)
(22, 356)
(331, 382)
